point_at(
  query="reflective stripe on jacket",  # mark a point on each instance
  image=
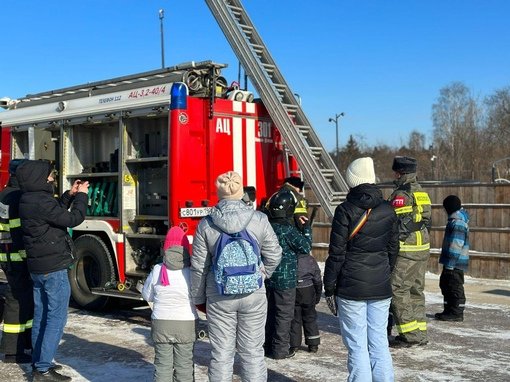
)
(413, 208)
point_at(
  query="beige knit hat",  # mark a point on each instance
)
(360, 171)
(230, 186)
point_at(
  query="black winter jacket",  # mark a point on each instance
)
(360, 268)
(45, 219)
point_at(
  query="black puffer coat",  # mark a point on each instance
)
(360, 268)
(45, 219)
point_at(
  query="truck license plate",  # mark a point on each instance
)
(195, 212)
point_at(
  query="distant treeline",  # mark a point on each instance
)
(471, 140)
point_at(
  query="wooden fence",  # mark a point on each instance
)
(488, 205)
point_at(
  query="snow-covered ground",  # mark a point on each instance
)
(105, 347)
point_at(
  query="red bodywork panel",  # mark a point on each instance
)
(5, 146)
(239, 137)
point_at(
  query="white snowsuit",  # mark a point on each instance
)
(235, 322)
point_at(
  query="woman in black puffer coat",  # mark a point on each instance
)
(358, 271)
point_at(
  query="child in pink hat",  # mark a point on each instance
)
(174, 317)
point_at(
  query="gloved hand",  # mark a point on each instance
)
(329, 290)
(317, 298)
(201, 307)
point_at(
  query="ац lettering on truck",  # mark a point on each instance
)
(151, 145)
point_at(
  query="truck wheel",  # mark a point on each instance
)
(93, 269)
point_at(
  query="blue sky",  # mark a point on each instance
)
(382, 63)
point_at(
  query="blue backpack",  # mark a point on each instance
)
(237, 264)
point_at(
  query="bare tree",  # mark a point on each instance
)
(456, 120)
(498, 122)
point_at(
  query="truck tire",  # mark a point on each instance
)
(93, 269)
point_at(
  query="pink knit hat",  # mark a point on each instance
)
(176, 236)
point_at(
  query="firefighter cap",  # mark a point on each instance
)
(404, 165)
(295, 182)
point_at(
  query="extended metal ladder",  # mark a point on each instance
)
(318, 168)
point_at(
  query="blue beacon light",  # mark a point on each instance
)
(178, 96)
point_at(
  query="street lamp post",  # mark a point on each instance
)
(336, 127)
(161, 16)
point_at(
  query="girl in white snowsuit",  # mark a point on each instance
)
(173, 315)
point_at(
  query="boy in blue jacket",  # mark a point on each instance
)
(455, 260)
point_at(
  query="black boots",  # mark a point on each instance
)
(445, 316)
(18, 358)
(51, 375)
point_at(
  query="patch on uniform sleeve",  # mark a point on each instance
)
(398, 201)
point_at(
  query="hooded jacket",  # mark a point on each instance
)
(293, 242)
(45, 219)
(360, 268)
(455, 248)
(229, 216)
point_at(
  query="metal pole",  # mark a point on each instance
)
(337, 150)
(161, 16)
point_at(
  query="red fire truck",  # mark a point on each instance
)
(151, 145)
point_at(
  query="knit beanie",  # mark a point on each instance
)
(230, 186)
(360, 171)
(451, 204)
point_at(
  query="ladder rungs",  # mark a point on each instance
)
(315, 161)
(328, 173)
(269, 68)
(337, 197)
(303, 129)
(290, 107)
(281, 89)
(259, 49)
(316, 151)
(246, 28)
(235, 10)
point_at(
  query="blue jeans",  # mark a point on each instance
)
(363, 325)
(51, 300)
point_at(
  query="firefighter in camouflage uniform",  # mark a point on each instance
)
(413, 208)
(19, 301)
